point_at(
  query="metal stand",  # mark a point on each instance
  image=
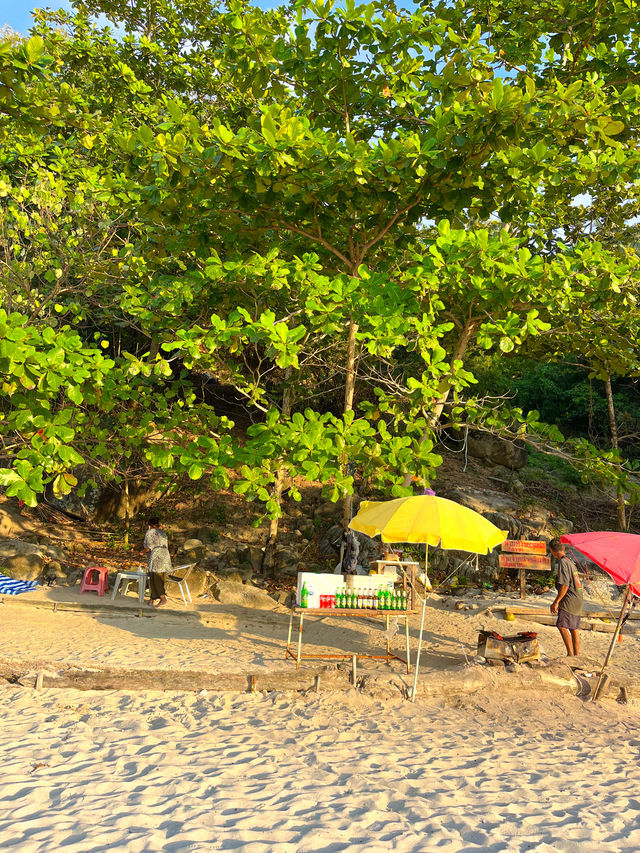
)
(301, 612)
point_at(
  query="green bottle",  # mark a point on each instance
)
(386, 599)
(304, 596)
(380, 598)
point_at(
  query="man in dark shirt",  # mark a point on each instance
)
(568, 602)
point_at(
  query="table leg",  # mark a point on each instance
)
(142, 585)
(299, 641)
(286, 654)
(406, 633)
(115, 586)
(387, 615)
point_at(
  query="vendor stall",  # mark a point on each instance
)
(316, 612)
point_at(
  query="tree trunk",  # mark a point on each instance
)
(349, 390)
(127, 514)
(613, 433)
(281, 475)
(441, 401)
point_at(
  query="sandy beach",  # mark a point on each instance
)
(168, 771)
(185, 772)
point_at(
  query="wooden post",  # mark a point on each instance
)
(316, 683)
(354, 669)
(39, 680)
(523, 586)
(614, 639)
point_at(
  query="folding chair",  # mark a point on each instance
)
(182, 580)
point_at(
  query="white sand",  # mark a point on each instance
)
(183, 772)
(338, 771)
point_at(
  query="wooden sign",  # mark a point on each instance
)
(524, 546)
(524, 561)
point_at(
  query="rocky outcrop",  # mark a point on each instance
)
(497, 451)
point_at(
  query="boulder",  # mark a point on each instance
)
(497, 451)
(560, 525)
(250, 555)
(245, 595)
(510, 523)
(9, 524)
(326, 513)
(192, 545)
(287, 561)
(198, 583)
(330, 542)
(483, 501)
(24, 567)
(536, 517)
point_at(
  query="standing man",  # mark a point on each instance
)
(568, 602)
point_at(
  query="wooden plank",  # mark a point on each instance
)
(588, 614)
(524, 561)
(524, 546)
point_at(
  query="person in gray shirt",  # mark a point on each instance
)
(568, 601)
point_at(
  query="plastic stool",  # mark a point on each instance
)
(95, 579)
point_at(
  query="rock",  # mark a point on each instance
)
(287, 561)
(192, 545)
(536, 517)
(245, 595)
(326, 513)
(17, 547)
(9, 523)
(330, 542)
(284, 597)
(198, 583)
(24, 567)
(498, 451)
(510, 523)
(560, 525)
(204, 534)
(250, 555)
(111, 500)
(482, 500)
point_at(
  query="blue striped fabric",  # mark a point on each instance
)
(10, 586)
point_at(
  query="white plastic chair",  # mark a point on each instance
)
(182, 581)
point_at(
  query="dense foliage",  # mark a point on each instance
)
(331, 209)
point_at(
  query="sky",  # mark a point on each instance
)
(16, 13)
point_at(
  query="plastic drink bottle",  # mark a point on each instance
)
(304, 596)
(374, 600)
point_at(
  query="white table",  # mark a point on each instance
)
(139, 575)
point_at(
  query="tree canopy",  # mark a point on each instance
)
(330, 209)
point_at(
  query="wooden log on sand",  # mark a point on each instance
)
(184, 681)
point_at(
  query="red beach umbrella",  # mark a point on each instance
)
(619, 555)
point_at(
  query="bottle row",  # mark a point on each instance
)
(346, 598)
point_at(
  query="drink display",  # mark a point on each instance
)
(348, 598)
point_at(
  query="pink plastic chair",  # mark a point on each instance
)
(95, 579)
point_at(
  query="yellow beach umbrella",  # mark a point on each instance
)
(434, 521)
(429, 519)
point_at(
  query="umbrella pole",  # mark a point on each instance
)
(424, 608)
(616, 634)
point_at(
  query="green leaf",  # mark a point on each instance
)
(269, 129)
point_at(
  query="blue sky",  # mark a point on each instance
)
(18, 16)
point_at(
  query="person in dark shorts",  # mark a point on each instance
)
(568, 601)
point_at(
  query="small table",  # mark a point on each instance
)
(410, 567)
(139, 575)
(301, 612)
